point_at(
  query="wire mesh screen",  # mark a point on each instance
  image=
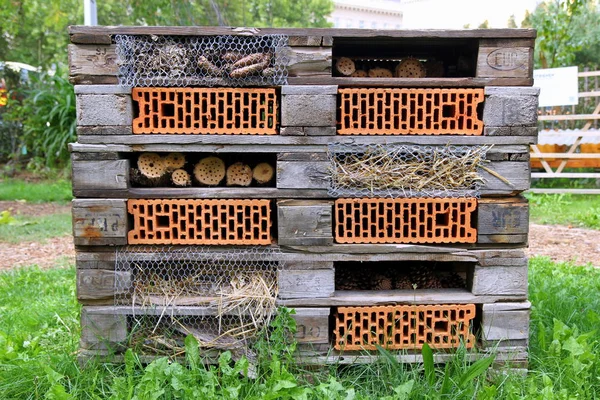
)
(224, 60)
(387, 170)
(225, 295)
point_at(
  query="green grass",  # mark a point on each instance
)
(57, 190)
(565, 209)
(31, 228)
(39, 332)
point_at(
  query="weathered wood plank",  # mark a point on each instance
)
(386, 297)
(500, 280)
(508, 62)
(296, 41)
(312, 325)
(98, 260)
(305, 222)
(305, 283)
(495, 217)
(307, 61)
(303, 175)
(100, 284)
(92, 60)
(101, 174)
(505, 321)
(299, 143)
(100, 222)
(102, 331)
(333, 32)
(409, 82)
(94, 156)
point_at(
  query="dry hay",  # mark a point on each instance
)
(409, 168)
(247, 296)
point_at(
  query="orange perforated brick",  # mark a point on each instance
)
(234, 111)
(396, 111)
(411, 220)
(210, 222)
(404, 327)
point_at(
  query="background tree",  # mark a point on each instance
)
(35, 31)
(566, 30)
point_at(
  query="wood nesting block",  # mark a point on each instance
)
(505, 325)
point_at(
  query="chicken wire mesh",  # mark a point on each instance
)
(222, 297)
(150, 60)
(388, 170)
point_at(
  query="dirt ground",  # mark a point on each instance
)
(57, 251)
(560, 243)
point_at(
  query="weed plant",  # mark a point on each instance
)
(39, 332)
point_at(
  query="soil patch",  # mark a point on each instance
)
(561, 243)
(53, 252)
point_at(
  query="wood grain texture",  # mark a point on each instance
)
(385, 297)
(269, 143)
(102, 331)
(503, 62)
(92, 60)
(305, 283)
(500, 280)
(305, 223)
(241, 31)
(312, 325)
(99, 222)
(505, 321)
(101, 174)
(100, 284)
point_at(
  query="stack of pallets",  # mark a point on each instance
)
(371, 228)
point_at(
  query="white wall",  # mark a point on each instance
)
(373, 14)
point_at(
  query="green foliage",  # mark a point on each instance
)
(58, 190)
(47, 114)
(6, 218)
(35, 31)
(565, 209)
(565, 28)
(39, 338)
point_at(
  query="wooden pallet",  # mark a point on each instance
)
(494, 66)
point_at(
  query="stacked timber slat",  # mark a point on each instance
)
(382, 171)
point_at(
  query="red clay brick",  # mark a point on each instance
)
(411, 220)
(394, 111)
(233, 111)
(404, 327)
(207, 222)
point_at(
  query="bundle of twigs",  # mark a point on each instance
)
(409, 168)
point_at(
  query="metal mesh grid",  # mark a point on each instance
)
(151, 60)
(405, 220)
(205, 110)
(401, 111)
(388, 170)
(404, 327)
(200, 221)
(220, 296)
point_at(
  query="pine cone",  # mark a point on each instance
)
(452, 280)
(382, 282)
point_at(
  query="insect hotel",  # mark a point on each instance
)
(370, 180)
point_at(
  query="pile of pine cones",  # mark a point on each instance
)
(424, 276)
